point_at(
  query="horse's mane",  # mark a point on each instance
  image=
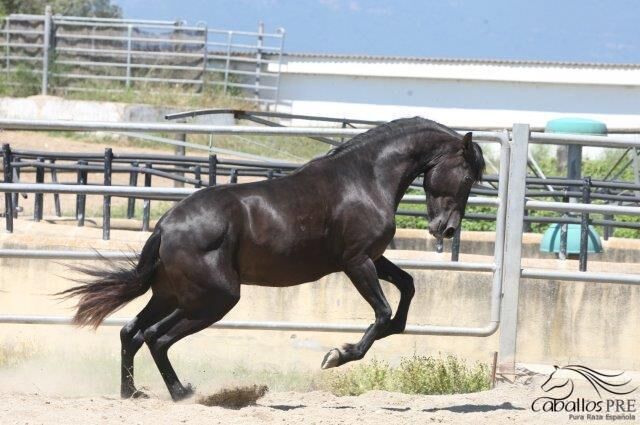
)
(401, 127)
(598, 379)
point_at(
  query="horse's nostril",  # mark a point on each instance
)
(448, 233)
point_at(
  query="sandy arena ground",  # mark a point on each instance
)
(509, 404)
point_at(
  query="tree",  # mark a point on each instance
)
(91, 8)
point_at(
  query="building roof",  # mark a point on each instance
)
(460, 61)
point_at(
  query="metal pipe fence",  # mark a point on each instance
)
(128, 53)
(510, 204)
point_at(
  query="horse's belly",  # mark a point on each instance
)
(266, 266)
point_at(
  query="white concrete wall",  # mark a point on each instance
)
(461, 94)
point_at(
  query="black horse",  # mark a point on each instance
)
(335, 213)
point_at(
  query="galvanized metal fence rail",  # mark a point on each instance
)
(511, 204)
(66, 53)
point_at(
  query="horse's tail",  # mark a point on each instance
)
(109, 289)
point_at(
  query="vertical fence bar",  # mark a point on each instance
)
(39, 197)
(129, 33)
(277, 97)
(439, 245)
(180, 150)
(15, 172)
(213, 169)
(46, 45)
(233, 176)
(260, 43)
(56, 196)
(584, 225)
(133, 181)
(81, 200)
(197, 174)
(564, 233)
(269, 174)
(455, 244)
(205, 57)
(146, 206)
(7, 46)
(513, 246)
(8, 178)
(228, 61)
(106, 202)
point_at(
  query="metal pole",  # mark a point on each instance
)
(39, 198)
(133, 181)
(129, 31)
(213, 169)
(228, 61)
(205, 58)
(7, 46)
(56, 196)
(564, 230)
(180, 150)
(8, 178)
(46, 45)
(233, 176)
(584, 225)
(197, 175)
(455, 244)
(106, 203)
(146, 205)
(256, 89)
(81, 200)
(277, 98)
(513, 246)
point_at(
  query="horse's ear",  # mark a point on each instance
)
(556, 367)
(466, 141)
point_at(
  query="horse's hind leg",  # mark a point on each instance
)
(404, 282)
(365, 280)
(132, 339)
(222, 294)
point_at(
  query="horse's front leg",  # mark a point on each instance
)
(404, 282)
(364, 277)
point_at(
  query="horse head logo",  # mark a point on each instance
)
(601, 382)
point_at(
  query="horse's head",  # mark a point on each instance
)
(548, 385)
(448, 182)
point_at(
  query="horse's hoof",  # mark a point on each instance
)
(184, 392)
(331, 359)
(139, 394)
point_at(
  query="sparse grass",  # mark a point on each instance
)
(414, 375)
(14, 353)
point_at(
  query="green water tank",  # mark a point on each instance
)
(551, 239)
(576, 126)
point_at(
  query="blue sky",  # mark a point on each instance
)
(559, 30)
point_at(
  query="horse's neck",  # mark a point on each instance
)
(396, 166)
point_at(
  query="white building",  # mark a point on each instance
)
(472, 93)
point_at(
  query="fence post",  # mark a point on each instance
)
(260, 42)
(513, 247)
(277, 96)
(233, 176)
(197, 175)
(564, 231)
(81, 200)
(205, 58)
(146, 205)
(227, 61)
(213, 169)
(7, 46)
(39, 198)
(15, 172)
(106, 203)
(56, 196)
(133, 181)
(455, 244)
(129, 31)
(46, 46)
(584, 225)
(8, 178)
(180, 150)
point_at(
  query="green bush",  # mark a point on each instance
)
(414, 375)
